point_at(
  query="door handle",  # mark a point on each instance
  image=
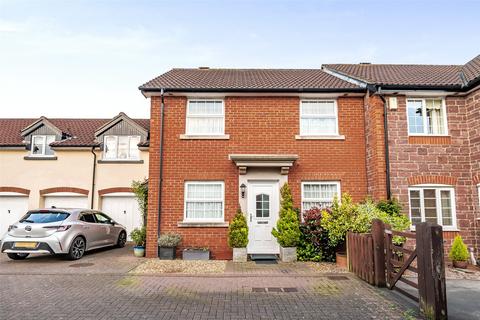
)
(86, 227)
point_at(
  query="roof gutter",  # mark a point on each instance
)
(275, 90)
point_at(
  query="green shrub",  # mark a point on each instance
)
(139, 236)
(459, 251)
(314, 244)
(348, 216)
(238, 231)
(287, 231)
(140, 189)
(169, 240)
(391, 207)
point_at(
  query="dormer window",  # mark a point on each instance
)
(121, 148)
(41, 145)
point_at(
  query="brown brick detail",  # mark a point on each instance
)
(452, 181)
(256, 125)
(64, 189)
(429, 140)
(15, 189)
(476, 179)
(375, 147)
(114, 190)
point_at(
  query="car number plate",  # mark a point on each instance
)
(28, 245)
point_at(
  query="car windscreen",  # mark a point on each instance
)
(44, 216)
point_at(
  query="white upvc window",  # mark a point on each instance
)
(205, 117)
(318, 118)
(427, 117)
(204, 201)
(319, 194)
(430, 203)
(121, 148)
(41, 145)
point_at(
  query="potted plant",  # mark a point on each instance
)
(459, 253)
(167, 245)
(238, 237)
(196, 254)
(287, 231)
(139, 237)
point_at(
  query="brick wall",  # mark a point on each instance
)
(262, 125)
(440, 160)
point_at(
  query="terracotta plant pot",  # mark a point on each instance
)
(460, 264)
(341, 258)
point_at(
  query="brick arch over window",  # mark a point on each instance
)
(432, 180)
(64, 189)
(114, 190)
(15, 189)
(476, 179)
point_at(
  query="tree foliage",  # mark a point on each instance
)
(287, 231)
(238, 231)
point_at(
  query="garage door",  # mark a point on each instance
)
(66, 201)
(12, 208)
(124, 210)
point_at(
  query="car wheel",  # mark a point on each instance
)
(122, 239)
(77, 249)
(17, 256)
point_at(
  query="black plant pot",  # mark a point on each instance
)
(166, 253)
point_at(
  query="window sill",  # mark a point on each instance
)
(336, 137)
(200, 137)
(444, 229)
(39, 158)
(121, 161)
(185, 224)
(429, 139)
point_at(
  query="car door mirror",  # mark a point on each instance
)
(112, 222)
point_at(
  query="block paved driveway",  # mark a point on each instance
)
(47, 288)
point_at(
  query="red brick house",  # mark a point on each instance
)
(232, 137)
(433, 122)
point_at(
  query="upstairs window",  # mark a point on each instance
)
(433, 204)
(204, 201)
(41, 145)
(426, 117)
(205, 117)
(121, 148)
(318, 118)
(319, 194)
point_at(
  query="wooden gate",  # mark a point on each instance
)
(377, 260)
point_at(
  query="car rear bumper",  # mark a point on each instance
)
(49, 244)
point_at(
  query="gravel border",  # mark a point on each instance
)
(156, 266)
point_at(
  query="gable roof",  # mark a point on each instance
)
(412, 76)
(286, 80)
(80, 132)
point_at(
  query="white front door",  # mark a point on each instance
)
(263, 207)
(12, 208)
(124, 210)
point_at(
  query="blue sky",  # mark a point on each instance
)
(62, 58)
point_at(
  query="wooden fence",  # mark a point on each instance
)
(374, 258)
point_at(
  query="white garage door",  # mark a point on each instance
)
(12, 208)
(124, 210)
(66, 201)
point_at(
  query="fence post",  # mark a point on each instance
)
(431, 271)
(378, 231)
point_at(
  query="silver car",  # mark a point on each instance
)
(62, 231)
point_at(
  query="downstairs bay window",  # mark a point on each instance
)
(435, 204)
(319, 194)
(204, 201)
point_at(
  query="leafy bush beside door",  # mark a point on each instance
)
(238, 231)
(287, 231)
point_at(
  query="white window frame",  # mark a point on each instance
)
(203, 220)
(424, 117)
(304, 134)
(44, 148)
(129, 158)
(319, 182)
(189, 116)
(438, 188)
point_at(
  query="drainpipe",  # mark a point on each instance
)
(162, 113)
(93, 176)
(387, 152)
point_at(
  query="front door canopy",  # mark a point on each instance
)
(282, 161)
